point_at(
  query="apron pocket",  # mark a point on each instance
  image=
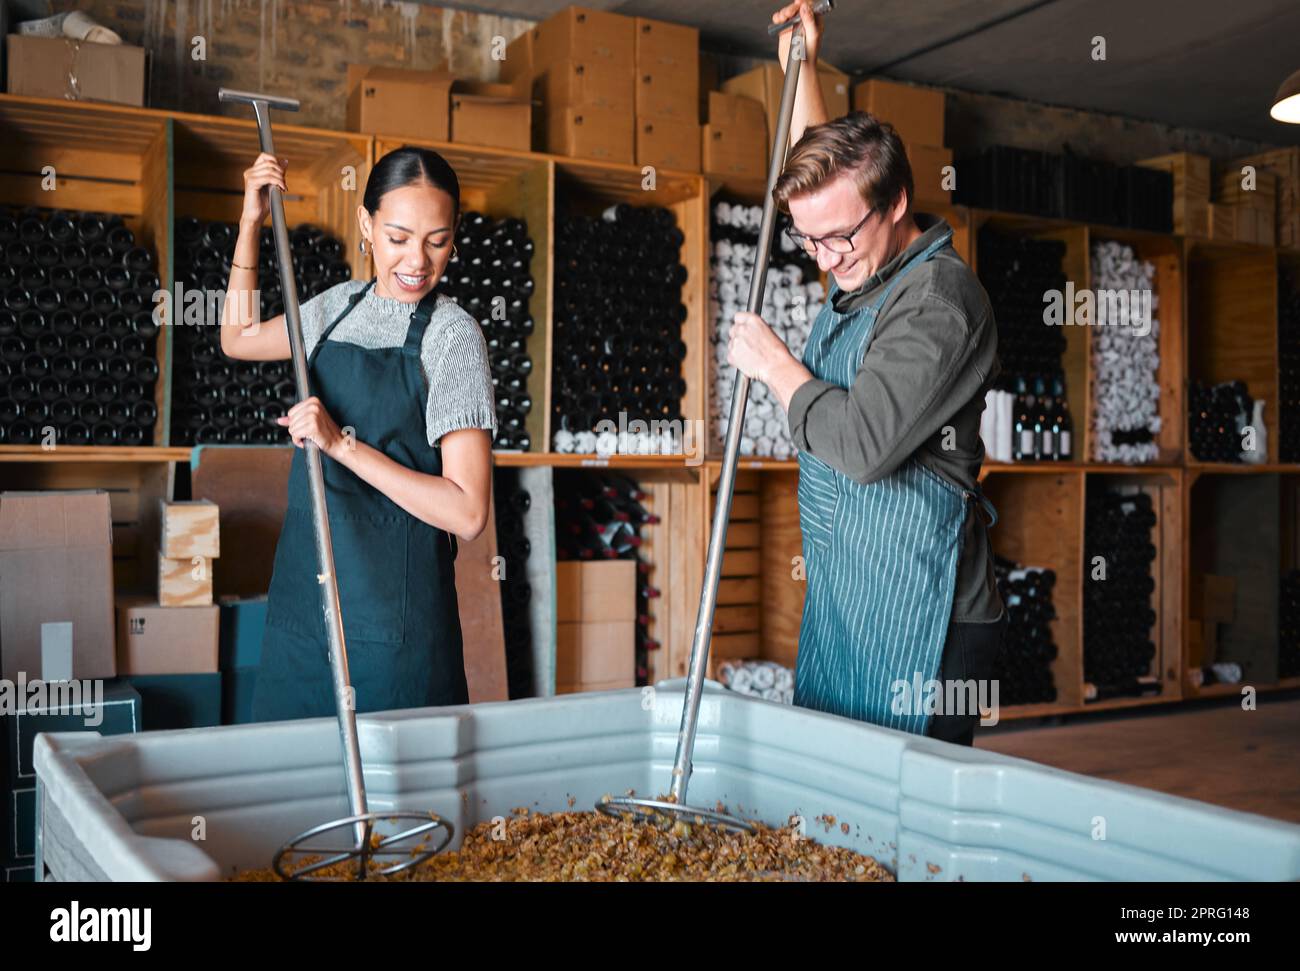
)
(819, 495)
(370, 559)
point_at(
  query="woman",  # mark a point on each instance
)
(402, 412)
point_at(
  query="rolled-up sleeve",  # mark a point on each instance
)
(911, 381)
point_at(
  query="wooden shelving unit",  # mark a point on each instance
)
(1217, 306)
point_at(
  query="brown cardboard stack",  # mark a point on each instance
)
(188, 542)
(397, 101)
(1193, 212)
(667, 95)
(733, 144)
(1284, 165)
(917, 116)
(76, 70)
(595, 612)
(56, 566)
(1256, 208)
(582, 67)
(764, 84)
(176, 633)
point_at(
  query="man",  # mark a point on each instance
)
(885, 411)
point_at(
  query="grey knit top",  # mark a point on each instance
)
(453, 353)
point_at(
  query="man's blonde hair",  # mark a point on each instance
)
(859, 144)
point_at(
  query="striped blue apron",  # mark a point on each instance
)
(880, 559)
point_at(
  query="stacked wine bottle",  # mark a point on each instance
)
(1288, 661)
(618, 330)
(1125, 358)
(489, 276)
(1288, 352)
(792, 299)
(1216, 415)
(599, 517)
(1016, 271)
(1026, 675)
(78, 340)
(216, 399)
(512, 503)
(1117, 614)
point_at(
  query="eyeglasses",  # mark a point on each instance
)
(834, 243)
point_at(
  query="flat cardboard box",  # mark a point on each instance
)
(189, 528)
(153, 639)
(928, 164)
(72, 70)
(56, 564)
(764, 84)
(916, 113)
(668, 93)
(397, 101)
(602, 134)
(518, 61)
(497, 115)
(667, 143)
(590, 83)
(580, 34)
(185, 582)
(595, 591)
(599, 652)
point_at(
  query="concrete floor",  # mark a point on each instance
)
(1215, 752)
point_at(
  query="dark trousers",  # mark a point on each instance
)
(971, 652)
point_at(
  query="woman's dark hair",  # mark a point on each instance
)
(409, 165)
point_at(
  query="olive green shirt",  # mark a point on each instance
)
(919, 392)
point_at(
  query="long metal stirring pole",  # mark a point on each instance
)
(329, 589)
(727, 481)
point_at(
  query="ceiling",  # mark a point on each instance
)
(1205, 64)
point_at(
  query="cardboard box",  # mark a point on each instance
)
(661, 44)
(916, 113)
(668, 143)
(189, 528)
(928, 163)
(1191, 175)
(734, 142)
(498, 115)
(603, 134)
(118, 713)
(592, 83)
(243, 621)
(579, 34)
(764, 83)
(152, 639)
(169, 701)
(601, 591)
(1263, 196)
(56, 564)
(568, 689)
(518, 63)
(600, 652)
(184, 583)
(664, 93)
(72, 70)
(396, 101)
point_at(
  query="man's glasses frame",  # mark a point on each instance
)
(833, 242)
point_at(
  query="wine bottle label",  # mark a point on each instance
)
(1027, 443)
(1064, 449)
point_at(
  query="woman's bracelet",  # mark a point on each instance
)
(241, 266)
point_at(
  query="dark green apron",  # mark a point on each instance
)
(396, 578)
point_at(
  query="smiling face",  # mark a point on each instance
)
(410, 237)
(835, 208)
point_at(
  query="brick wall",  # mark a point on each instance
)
(299, 48)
